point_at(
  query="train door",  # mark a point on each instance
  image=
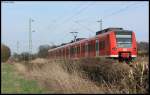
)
(86, 49)
(97, 47)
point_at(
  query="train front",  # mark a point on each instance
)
(124, 45)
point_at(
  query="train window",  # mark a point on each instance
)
(59, 52)
(78, 49)
(75, 49)
(67, 51)
(100, 45)
(71, 50)
(92, 47)
(89, 47)
(83, 48)
(86, 48)
(103, 44)
(124, 39)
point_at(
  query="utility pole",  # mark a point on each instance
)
(30, 37)
(75, 35)
(100, 21)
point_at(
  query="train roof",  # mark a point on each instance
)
(108, 29)
(69, 44)
(77, 42)
(112, 29)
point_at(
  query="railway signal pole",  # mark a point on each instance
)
(75, 35)
(100, 21)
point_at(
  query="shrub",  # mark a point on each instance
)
(43, 51)
(5, 53)
(24, 56)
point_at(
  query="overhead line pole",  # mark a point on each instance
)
(30, 37)
(100, 21)
(84, 26)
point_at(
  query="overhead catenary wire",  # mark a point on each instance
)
(72, 16)
(114, 12)
(119, 11)
(64, 17)
(77, 13)
(84, 26)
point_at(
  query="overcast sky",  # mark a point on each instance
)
(54, 20)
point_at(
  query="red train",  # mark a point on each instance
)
(110, 42)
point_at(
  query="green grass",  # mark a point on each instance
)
(15, 83)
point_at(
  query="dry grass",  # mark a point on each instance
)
(103, 76)
(53, 77)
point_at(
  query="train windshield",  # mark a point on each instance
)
(124, 39)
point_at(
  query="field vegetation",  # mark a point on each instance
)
(12, 82)
(92, 75)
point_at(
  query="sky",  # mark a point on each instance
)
(54, 20)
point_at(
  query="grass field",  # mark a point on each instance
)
(12, 82)
(68, 76)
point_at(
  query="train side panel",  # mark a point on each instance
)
(104, 45)
(134, 46)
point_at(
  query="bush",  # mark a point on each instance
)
(43, 51)
(5, 53)
(24, 56)
(143, 48)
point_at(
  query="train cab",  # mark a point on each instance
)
(123, 44)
